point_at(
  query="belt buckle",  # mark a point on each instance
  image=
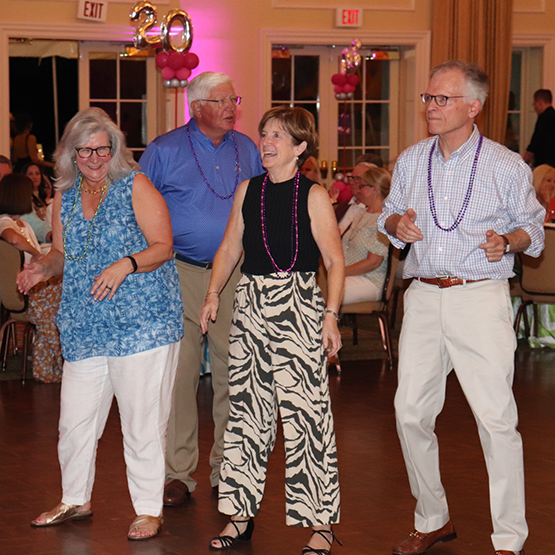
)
(442, 279)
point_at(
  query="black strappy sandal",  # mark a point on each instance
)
(226, 542)
(307, 550)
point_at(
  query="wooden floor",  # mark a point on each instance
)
(376, 502)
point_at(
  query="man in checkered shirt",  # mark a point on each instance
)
(466, 204)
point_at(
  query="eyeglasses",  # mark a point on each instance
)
(354, 178)
(233, 100)
(440, 99)
(86, 152)
(366, 185)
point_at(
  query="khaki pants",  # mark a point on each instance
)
(182, 445)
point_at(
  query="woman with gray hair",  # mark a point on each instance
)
(120, 318)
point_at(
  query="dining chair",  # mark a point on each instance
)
(378, 308)
(537, 284)
(15, 304)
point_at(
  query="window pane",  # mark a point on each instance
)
(512, 135)
(109, 107)
(102, 73)
(306, 77)
(349, 125)
(132, 78)
(281, 79)
(133, 123)
(346, 158)
(312, 107)
(377, 124)
(514, 93)
(377, 79)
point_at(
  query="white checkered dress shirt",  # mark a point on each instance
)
(503, 199)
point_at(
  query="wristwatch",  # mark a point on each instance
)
(507, 244)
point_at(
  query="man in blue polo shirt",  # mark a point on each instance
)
(197, 168)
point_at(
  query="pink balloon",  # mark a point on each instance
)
(191, 60)
(348, 88)
(337, 89)
(336, 78)
(168, 73)
(353, 80)
(183, 73)
(162, 59)
(341, 79)
(175, 61)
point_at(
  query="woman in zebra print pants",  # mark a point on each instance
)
(280, 332)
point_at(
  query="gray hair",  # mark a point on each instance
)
(202, 84)
(77, 132)
(476, 80)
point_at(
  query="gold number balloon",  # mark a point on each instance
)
(186, 36)
(148, 10)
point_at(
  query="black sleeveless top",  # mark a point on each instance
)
(279, 215)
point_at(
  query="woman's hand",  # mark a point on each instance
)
(107, 283)
(31, 274)
(331, 337)
(209, 310)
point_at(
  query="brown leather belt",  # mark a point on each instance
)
(448, 281)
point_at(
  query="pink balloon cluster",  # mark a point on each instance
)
(176, 67)
(344, 85)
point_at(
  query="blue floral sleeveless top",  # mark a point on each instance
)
(146, 311)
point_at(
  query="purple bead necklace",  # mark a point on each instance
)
(282, 274)
(237, 167)
(466, 200)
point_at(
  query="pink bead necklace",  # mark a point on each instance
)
(282, 274)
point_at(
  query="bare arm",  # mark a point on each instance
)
(369, 264)
(226, 258)
(326, 234)
(53, 263)
(154, 221)
(19, 242)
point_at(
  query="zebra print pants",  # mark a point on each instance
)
(277, 361)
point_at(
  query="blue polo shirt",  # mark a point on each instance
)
(198, 216)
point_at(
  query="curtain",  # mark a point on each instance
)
(478, 31)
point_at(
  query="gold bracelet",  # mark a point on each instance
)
(212, 293)
(332, 312)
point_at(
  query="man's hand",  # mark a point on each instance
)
(402, 227)
(494, 247)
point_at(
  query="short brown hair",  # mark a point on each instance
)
(16, 194)
(379, 178)
(299, 123)
(545, 95)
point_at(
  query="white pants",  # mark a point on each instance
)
(468, 328)
(358, 289)
(143, 386)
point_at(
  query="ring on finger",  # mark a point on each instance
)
(109, 288)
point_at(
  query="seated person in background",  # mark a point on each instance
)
(16, 192)
(365, 249)
(345, 211)
(5, 166)
(311, 170)
(42, 192)
(544, 183)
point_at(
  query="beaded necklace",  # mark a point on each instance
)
(466, 200)
(237, 167)
(282, 274)
(103, 190)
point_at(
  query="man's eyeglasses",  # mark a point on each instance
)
(102, 151)
(233, 100)
(440, 99)
(354, 179)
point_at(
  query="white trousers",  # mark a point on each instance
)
(143, 386)
(358, 289)
(468, 328)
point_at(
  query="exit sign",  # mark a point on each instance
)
(348, 17)
(92, 10)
